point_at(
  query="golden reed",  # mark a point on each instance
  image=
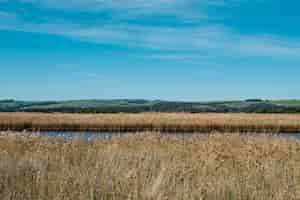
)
(150, 167)
(159, 122)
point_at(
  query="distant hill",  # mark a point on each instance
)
(140, 105)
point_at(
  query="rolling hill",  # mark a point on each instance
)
(140, 105)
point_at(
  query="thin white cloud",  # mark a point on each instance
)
(202, 39)
(90, 5)
(177, 56)
(7, 17)
(183, 10)
(4, 14)
(93, 75)
(214, 40)
(268, 45)
(8, 20)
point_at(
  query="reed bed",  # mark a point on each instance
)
(158, 122)
(150, 167)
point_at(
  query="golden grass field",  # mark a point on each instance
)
(150, 167)
(159, 122)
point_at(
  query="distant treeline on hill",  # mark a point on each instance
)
(138, 106)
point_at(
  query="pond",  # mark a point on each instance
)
(91, 136)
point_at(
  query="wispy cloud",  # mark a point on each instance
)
(177, 56)
(203, 40)
(93, 75)
(208, 39)
(182, 10)
(7, 17)
(121, 5)
(4, 14)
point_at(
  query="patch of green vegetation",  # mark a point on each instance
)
(140, 105)
(287, 102)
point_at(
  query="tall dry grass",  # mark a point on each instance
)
(150, 167)
(162, 122)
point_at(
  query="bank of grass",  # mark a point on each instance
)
(149, 166)
(159, 122)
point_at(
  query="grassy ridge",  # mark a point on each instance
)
(150, 167)
(158, 122)
(138, 106)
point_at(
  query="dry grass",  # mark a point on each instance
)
(150, 167)
(162, 122)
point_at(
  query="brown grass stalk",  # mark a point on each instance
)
(146, 167)
(162, 122)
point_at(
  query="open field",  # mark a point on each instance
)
(159, 122)
(149, 166)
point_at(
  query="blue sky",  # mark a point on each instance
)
(193, 50)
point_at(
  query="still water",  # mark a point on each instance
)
(91, 136)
